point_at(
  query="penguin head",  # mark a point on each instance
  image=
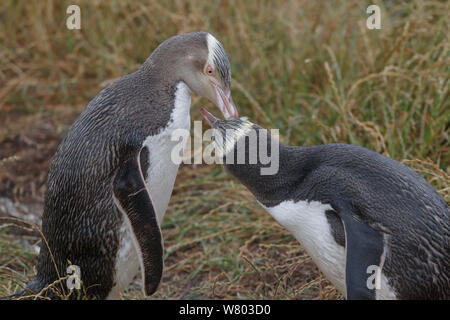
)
(199, 60)
(247, 151)
(226, 133)
(240, 136)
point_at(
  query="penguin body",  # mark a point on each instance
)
(357, 213)
(159, 182)
(112, 176)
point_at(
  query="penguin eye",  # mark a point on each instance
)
(209, 70)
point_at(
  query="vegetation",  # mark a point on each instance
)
(310, 68)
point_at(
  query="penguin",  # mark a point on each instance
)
(374, 227)
(112, 176)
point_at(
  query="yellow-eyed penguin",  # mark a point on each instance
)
(375, 228)
(112, 176)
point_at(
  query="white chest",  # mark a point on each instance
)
(307, 222)
(163, 169)
(161, 176)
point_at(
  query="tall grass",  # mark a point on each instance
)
(310, 68)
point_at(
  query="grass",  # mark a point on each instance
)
(310, 68)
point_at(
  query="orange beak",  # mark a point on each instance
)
(225, 102)
(209, 117)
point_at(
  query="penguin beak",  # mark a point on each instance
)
(209, 117)
(225, 102)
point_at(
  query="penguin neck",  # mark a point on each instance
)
(170, 95)
(162, 170)
(272, 189)
(160, 74)
(180, 117)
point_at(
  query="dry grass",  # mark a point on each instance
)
(310, 68)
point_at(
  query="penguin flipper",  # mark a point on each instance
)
(133, 198)
(364, 247)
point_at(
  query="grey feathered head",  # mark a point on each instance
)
(199, 60)
(227, 132)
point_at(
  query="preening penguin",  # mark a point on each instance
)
(112, 176)
(375, 228)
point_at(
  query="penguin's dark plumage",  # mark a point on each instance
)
(112, 176)
(351, 208)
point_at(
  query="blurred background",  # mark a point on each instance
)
(309, 68)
